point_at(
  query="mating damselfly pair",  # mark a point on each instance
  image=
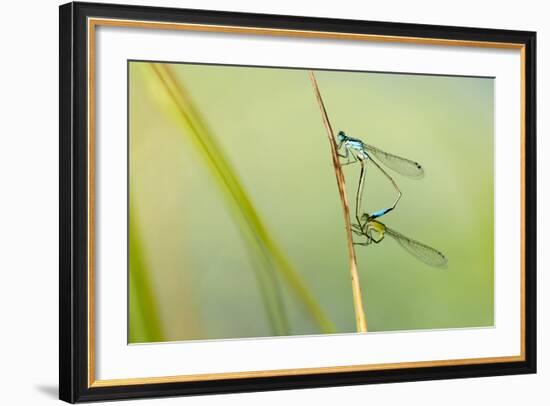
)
(355, 150)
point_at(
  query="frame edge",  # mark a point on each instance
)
(72, 367)
(530, 219)
(67, 387)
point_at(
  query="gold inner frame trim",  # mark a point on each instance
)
(299, 371)
(94, 22)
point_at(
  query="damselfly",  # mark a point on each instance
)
(354, 148)
(375, 231)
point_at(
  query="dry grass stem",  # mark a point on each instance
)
(360, 317)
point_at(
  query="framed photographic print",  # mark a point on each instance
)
(255, 202)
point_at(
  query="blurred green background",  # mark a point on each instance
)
(197, 270)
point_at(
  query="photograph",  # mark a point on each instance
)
(272, 201)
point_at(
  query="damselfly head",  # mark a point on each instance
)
(341, 136)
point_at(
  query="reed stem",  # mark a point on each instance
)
(360, 318)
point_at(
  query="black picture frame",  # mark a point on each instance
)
(74, 199)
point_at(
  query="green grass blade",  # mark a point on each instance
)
(266, 279)
(269, 255)
(145, 325)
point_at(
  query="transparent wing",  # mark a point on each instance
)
(428, 255)
(401, 165)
